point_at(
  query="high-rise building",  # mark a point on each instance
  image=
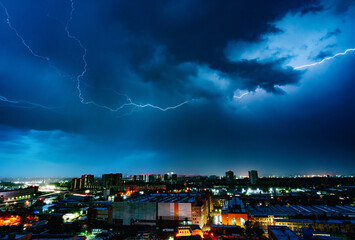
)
(87, 180)
(170, 177)
(253, 177)
(174, 177)
(111, 180)
(76, 184)
(230, 176)
(154, 178)
(141, 177)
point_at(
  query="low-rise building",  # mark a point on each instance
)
(189, 230)
(234, 212)
(18, 194)
(328, 226)
(100, 214)
(281, 233)
(157, 209)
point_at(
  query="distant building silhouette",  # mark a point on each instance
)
(229, 176)
(111, 180)
(253, 177)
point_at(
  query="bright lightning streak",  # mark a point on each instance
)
(135, 105)
(26, 44)
(19, 35)
(130, 103)
(5, 99)
(246, 93)
(306, 66)
(325, 59)
(241, 96)
(78, 78)
(81, 75)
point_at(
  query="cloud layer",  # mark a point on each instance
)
(166, 53)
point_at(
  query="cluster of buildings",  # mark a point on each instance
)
(190, 206)
(253, 177)
(115, 180)
(84, 182)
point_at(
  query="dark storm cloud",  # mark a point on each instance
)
(162, 70)
(138, 43)
(331, 34)
(340, 7)
(164, 53)
(322, 55)
(198, 32)
(155, 45)
(313, 8)
(267, 75)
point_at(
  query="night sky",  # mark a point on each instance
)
(191, 86)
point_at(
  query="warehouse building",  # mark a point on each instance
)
(328, 226)
(18, 194)
(158, 209)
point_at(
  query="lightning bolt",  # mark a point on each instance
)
(45, 58)
(30, 104)
(241, 95)
(325, 59)
(307, 66)
(5, 99)
(82, 74)
(246, 93)
(129, 102)
(78, 78)
(19, 35)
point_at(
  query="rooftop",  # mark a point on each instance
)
(284, 210)
(283, 233)
(166, 197)
(234, 205)
(314, 221)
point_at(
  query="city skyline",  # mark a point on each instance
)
(191, 86)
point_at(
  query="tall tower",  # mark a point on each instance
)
(111, 180)
(253, 177)
(87, 180)
(230, 176)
